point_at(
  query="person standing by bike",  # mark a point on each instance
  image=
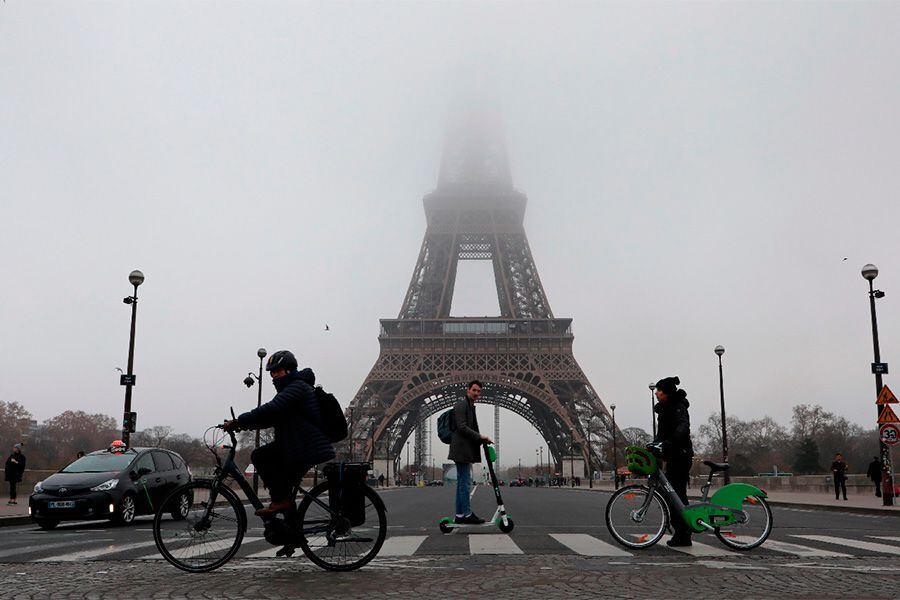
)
(299, 442)
(673, 432)
(465, 449)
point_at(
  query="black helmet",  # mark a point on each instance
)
(283, 359)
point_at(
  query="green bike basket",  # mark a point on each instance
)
(639, 460)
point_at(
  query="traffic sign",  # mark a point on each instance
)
(879, 368)
(886, 396)
(890, 434)
(888, 416)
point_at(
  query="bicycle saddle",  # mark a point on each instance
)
(716, 466)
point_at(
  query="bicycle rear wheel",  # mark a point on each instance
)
(332, 541)
(753, 531)
(201, 540)
(636, 517)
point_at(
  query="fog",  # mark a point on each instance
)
(696, 174)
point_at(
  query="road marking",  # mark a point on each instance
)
(492, 543)
(39, 547)
(889, 538)
(698, 549)
(157, 556)
(587, 545)
(86, 554)
(803, 551)
(401, 545)
(858, 544)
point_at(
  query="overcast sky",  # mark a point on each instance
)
(696, 174)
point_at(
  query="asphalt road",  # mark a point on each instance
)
(559, 548)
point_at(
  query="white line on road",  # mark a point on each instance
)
(39, 547)
(858, 544)
(804, 551)
(698, 549)
(492, 543)
(247, 540)
(95, 552)
(402, 545)
(587, 545)
(889, 538)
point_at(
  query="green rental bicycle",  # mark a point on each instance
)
(638, 516)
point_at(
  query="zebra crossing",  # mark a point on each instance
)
(799, 546)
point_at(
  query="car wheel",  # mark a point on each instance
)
(182, 507)
(46, 523)
(126, 510)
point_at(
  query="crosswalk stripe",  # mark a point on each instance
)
(796, 550)
(95, 552)
(492, 543)
(698, 549)
(889, 538)
(157, 556)
(587, 545)
(401, 545)
(858, 544)
(38, 547)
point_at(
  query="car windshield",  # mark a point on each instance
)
(100, 463)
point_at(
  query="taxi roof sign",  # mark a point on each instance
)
(886, 396)
(888, 416)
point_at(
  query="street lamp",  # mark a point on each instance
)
(720, 350)
(248, 381)
(869, 273)
(408, 470)
(652, 387)
(612, 408)
(129, 419)
(541, 462)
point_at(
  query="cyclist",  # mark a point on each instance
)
(299, 442)
(674, 433)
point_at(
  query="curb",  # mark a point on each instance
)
(17, 520)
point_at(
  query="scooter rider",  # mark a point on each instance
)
(674, 433)
(299, 442)
(465, 449)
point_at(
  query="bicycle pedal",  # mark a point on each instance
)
(287, 551)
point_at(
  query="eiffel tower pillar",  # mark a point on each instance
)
(523, 357)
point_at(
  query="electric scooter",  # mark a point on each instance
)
(500, 518)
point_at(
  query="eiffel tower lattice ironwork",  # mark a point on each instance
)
(524, 357)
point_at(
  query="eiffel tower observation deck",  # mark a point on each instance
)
(523, 357)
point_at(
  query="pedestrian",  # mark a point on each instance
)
(839, 470)
(673, 432)
(79, 454)
(13, 471)
(381, 480)
(874, 473)
(465, 449)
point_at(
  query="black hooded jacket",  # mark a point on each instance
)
(294, 413)
(674, 427)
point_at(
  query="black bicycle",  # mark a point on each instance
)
(339, 524)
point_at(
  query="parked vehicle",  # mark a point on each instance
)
(116, 484)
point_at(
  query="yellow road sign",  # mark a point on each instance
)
(888, 416)
(886, 397)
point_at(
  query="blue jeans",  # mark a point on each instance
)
(463, 481)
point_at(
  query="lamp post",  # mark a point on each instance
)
(136, 278)
(520, 468)
(572, 463)
(612, 408)
(541, 462)
(652, 387)
(720, 350)
(590, 456)
(407, 463)
(869, 273)
(261, 353)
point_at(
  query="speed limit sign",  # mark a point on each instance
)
(890, 434)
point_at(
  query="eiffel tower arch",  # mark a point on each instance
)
(523, 357)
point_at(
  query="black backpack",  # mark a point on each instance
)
(446, 425)
(334, 424)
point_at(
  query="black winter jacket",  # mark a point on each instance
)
(15, 467)
(674, 427)
(465, 447)
(294, 413)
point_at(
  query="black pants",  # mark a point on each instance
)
(12, 490)
(678, 472)
(277, 474)
(840, 485)
(877, 488)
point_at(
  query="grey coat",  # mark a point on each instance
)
(465, 447)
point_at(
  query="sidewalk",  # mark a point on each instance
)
(856, 503)
(14, 515)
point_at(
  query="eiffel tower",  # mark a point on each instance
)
(523, 357)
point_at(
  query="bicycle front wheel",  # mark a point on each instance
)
(753, 528)
(341, 537)
(208, 530)
(636, 517)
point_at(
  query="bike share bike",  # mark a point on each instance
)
(501, 518)
(339, 524)
(637, 516)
